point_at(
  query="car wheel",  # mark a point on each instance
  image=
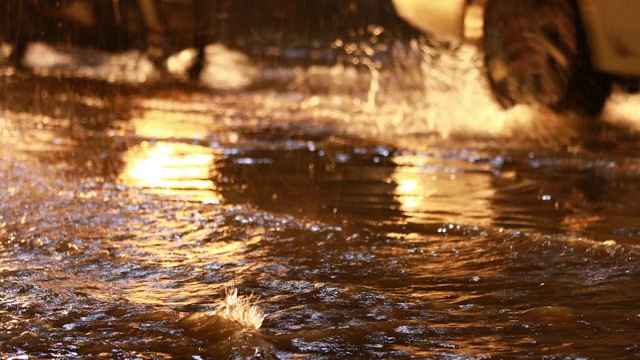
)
(535, 52)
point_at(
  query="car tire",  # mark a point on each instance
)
(535, 52)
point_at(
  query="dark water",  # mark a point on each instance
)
(372, 213)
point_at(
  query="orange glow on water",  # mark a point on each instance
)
(428, 188)
(171, 166)
(171, 169)
(161, 124)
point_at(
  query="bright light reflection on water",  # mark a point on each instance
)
(428, 186)
(171, 168)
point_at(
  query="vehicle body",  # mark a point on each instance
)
(604, 33)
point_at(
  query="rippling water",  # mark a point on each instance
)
(378, 212)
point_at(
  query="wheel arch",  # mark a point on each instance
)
(612, 34)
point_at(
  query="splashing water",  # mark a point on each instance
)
(130, 66)
(424, 87)
(242, 310)
(233, 316)
(225, 69)
(453, 98)
(381, 87)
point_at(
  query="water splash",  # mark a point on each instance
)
(425, 87)
(234, 317)
(225, 69)
(456, 100)
(242, 310)
(130, 66)
(382, 87)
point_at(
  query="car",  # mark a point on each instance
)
(562, 54)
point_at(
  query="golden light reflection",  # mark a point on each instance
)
(578, 225)
(162, 124)
(169, 166)
(428, 189)
(411, 191)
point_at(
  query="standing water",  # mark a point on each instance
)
(379, 207)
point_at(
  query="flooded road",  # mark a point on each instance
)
(377, 212)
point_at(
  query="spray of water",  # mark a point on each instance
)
(424, 87)
(381, 87)
(226, 69)
(241, 310)
(233, 316)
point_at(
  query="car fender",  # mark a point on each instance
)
(613, 35)
(442, 17)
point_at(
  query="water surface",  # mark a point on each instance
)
(373, 212)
